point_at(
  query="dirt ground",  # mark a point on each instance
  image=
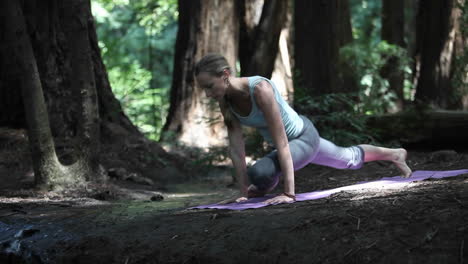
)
(127, 222)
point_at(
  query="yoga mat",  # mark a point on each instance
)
(382, 183)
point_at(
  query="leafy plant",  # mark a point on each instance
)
(460, 76)
(375, 96)
(137, 44)
(337, 118)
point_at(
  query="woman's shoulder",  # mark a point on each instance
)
(258, 80)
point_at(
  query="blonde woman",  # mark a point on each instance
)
(255, 101)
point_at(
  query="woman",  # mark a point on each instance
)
(255, 101)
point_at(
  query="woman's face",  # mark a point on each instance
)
(214, 86)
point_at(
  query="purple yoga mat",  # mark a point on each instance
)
(386, 182)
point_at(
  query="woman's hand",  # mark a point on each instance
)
(279, 199)
(235, 199)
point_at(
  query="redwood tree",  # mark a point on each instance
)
(438, 44)
(49, 50)
(393, 25)
(321, 28)
(265, 41)
(258, 46)
(205, 26)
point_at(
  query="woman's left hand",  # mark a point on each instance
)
(279, 199)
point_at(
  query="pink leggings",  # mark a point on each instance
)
(307, 148)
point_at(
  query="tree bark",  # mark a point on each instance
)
(321, 28)
(46, 166)
(83, 111)
(393, 25)
(440, 129)
(265, 42)
(259, 47)
(77, 15)
(282, 74)
(209, 26)
(51, 48)
(437, 31)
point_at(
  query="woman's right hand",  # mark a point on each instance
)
(235, 199)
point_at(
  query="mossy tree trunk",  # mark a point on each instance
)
(60, 69)
(47, 168)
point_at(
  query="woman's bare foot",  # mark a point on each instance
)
(399, 160)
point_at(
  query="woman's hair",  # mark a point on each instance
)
(212, 63)
(215, 64)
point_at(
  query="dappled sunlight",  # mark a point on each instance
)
(184, 195)
(387, 183)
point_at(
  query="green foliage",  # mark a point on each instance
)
(460, 76)
(207, 159)
(368, 62)
(366, 21)
(342, 118)
(137, 44)
(337, 118)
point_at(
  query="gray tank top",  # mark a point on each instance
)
(293, 124)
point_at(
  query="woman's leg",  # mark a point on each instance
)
(264, 175)
(353, 157)
(334, 156)
(397, 156)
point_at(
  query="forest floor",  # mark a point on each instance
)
(129, 222)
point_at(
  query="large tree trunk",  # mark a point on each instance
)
(393, 24)
(208, 26)
(265, 42)
(437, 33)
(258, 46)
(282, 74)
(51, 49)
(321, 28)
(80, 103)
(429, 130)
(17, 43)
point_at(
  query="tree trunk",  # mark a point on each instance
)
(76, 17)
(321, 28)
(259, 45)
(265, 42)
(429, 130)
(83, 111)
(208, 26)
(393, 32)
(411, 11)
(437, 31)
(282, 74)
(51, 48)
(47, 168)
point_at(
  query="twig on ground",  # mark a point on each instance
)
(371, 245)
(458, 201)
(358, 219)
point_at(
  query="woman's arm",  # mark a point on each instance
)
(236, 148)
(265, 98)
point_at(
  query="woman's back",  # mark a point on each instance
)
(292, 122)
